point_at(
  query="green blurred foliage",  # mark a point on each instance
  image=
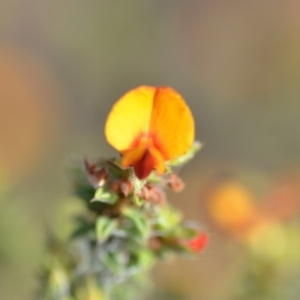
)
(115, 240)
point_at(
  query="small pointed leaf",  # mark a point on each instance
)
(104, 227)
(138, 221)
(105, 196)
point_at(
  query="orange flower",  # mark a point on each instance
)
(149, 126)
(232, 206)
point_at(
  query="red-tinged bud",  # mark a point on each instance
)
(96, 176)
(126, 187)
(121, 186)
(152, 193)
(198, 243)
(175, 183)
(115, 186)
(154, 244)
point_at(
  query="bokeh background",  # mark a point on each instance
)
(237, 63)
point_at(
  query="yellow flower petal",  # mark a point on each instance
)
(129, 117)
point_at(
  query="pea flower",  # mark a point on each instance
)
(150, 126)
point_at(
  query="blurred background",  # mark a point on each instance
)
(237, 63)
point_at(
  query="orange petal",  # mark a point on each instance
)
(133, 156)
(129, 117)
(171, 122)
(144, 159)
(159, 164)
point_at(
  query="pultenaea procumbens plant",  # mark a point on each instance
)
(127, 225)
(149, 126)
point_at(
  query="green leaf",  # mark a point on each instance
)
(137, 183)
(169, 218)
(154, 178)
(111, 261)
(58, 284)
(185, 232)
(138, 221)
(137, 201)
(113, 168)
(145, 259)
(83, 190)
(84, 227)
(116, 262)
(141, 259)
(104, 227)
(105, 196)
